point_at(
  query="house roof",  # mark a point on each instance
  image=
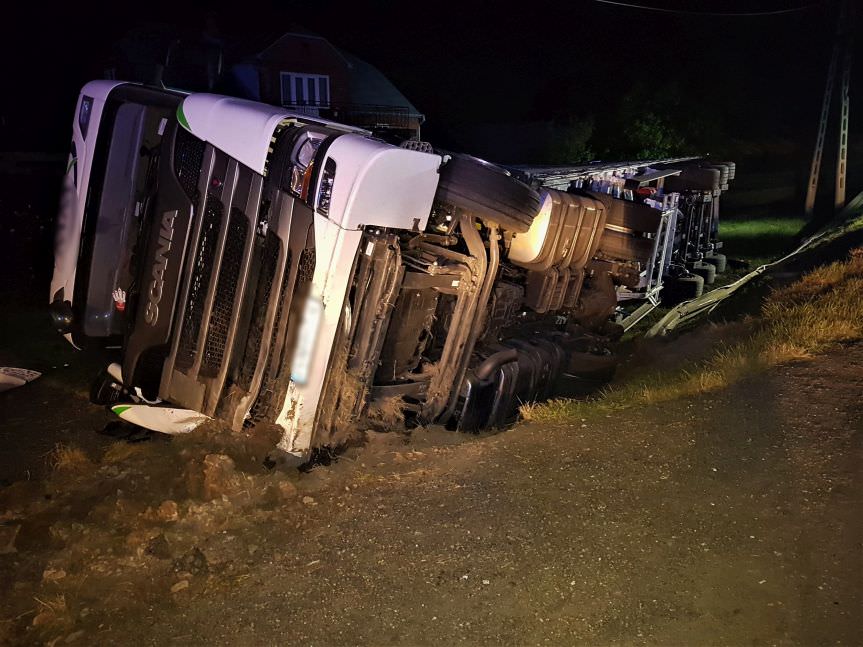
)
(250, 45)
(369, 86)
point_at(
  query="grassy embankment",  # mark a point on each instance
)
(759, 241)
(824, 308)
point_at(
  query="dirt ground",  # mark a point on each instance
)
(731, 520)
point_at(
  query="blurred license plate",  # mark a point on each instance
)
(306, 340)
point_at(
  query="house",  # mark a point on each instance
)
(308, 74)
(301, 71)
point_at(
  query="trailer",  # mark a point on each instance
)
(659, 259)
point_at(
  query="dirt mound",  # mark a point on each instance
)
(140, 518)
(164, 520)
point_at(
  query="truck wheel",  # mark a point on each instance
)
(691, 287)
(719, 261)
(488, 191)
(705, 271)
(682, 289)
(588, 366)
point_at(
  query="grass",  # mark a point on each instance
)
(824, 308)
(759, 239)
(735, 229)
(68, 458)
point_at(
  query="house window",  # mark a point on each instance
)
(305, 89)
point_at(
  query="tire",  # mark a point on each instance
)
(719, 261)
(682, 289)
(705, 271)
(694, 178)
(489, 192)
(595, 368)
(723, 172)
(691, 287)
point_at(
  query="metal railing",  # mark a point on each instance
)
(369, 115)
(559, 177)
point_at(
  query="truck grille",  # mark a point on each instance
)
(223, 306)
(272, 369)
(307, 266)
(188, 158)
(269, 263)
(233, 316)
(200, 282)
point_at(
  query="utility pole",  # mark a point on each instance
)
(815, 169)
(841, 161)
(841, 52)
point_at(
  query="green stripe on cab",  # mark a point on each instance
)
(181, 117)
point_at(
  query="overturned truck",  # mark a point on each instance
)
(269, 268)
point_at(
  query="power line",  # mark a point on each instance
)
(690, 12)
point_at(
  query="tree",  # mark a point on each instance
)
(569, 142)
(650, 122)
(649, 135)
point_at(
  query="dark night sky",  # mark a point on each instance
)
(465, 63)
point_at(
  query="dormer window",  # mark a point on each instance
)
(305, 89)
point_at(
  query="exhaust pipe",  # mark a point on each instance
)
(494, 362)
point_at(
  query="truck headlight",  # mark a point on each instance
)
(325, 193)
(84, 113)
